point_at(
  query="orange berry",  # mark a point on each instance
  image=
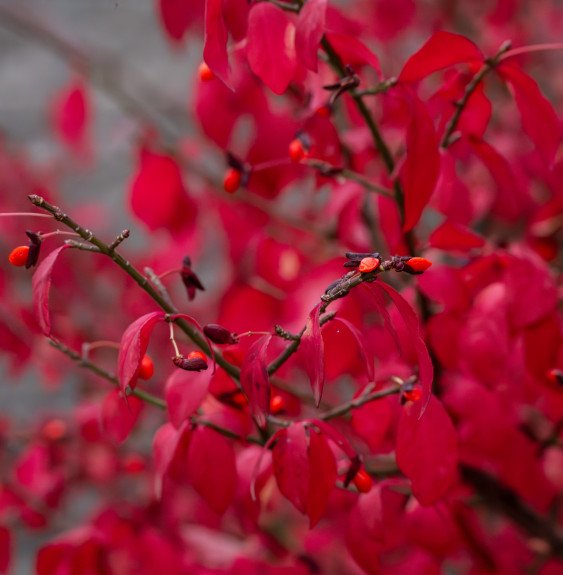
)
(323, 111)
(368, 265)
(196, 355)
(419, 264)
(205, 73)
(232, 180)
(363, 481)
(54, 429)
(133, 463)
(413, 395)
(296, 150)
(18, 256)
(146, 369)
(277, 404)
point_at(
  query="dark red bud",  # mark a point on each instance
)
(34, 248)
(219, 334)
(190, 363)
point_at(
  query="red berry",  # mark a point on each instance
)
(323, 111)
(418, 264)
(133, 463)
(146, 369)
(296, 150)
(277, 404)
(18, 256)
(197, 355)
(205, 73)
(368, 265)
(232, 180)
(54, 429)
(363, 481)
(413, 395)
(555, 376)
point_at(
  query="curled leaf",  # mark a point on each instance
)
(133, 346)
(41, 284)
(312, 351)
(255, 380)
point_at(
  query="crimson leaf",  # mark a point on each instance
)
(255, 380)
(310, 28)
(312, 350)
(184, 392)
(119, 416)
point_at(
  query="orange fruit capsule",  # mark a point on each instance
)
(277, 404)
(232, 180)
(419, 264)
(363, 481)
(146, 369)
(18, 256)
(368, 265)
(296, 150)
(205, 73)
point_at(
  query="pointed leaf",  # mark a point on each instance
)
(312, 351)
(322, 476)
(270, 46)
(212, 468)
(425, 368)
(71, 114)
(184, 392)
(358, 336)
(255, 380)
(427, 451)
(451, 236)
(119, 415)
(310, 29)
(421, 167)
(167, 443)
(352, 52)
(134, 343)
(216, 36)
(443, 49)
(539, 119)
(177, 16)
(41, 284)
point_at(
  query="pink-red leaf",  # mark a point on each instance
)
(312, 351)
(134, 343)
(70, 115)
(212, 468)
(310, 29)
(255, 380)
(352, 52)
(177, 16)
(455, 237)
(119, 415)
(164, 444)
(184, 392)
(270, 46)
(358, 336)
(5, 549)
(41, 284)
(421, 167)
(443, 49)
(216, 36)
(427, 451)
(539, 119)
(425, 369)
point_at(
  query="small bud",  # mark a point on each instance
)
(277, 404)
(555, 376)
(190, 279)
(205, 73)
(18, 256)
(232, 180)
(416, 265)
(196, 361)
(146, 369)
(363, 481)
(219, 334)
(368, 265)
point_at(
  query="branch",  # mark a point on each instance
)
(347, 407)
(490, 64)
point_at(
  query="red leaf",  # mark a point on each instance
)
(157, 195)
(212, 468)
(421, 168)
(455, 237)
(539, 119)
(358, 336)
(216, 37)
(443, 49)
(425, 369)
(134, 343)
(184, 392)
(41, 284)
(312, 351)
(119, 415)
(305, 469)
(310, 29)
(322, 475)
(427, 451)
(5, 549)
(177, 16)
(270, 46)
(164, 445)
(70, 115)
(255, 381)
(352, 52)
